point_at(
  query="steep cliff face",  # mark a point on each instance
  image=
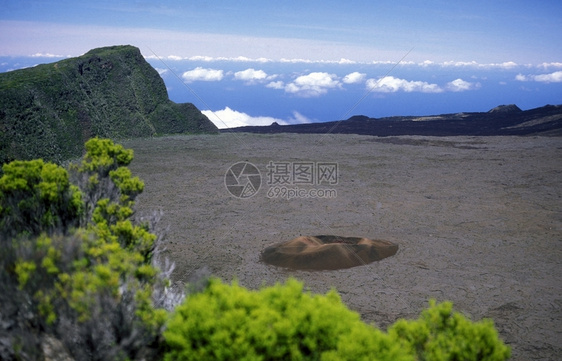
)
(50, 110)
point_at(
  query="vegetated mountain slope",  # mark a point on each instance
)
(50, 110)
(502, 120)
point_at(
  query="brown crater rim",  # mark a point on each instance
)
(327, 252)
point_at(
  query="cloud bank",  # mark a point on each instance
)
(315, 84)
(506, 65)
(319, 83)
(48, 55)
(555, 77)
(229, 118)
(390, 84)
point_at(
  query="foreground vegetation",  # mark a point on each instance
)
(81, 277)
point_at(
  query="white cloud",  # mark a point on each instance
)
(201, 58)
(346, 61)
(390, 84)
(232, 59)
(239, 59)
(161, 71)
(342, 61)
(285, 60)
(47, 55)
(251, 75)
(228, 118)
(460, 63)
(555, 77)
(474, 64)
(426, 63)
(459, 85)
(354, 77)
(506, 65)
(276, 85)
(550, 65)
(313, 84)
(203, 74)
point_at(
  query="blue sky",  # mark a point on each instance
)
(254, 62)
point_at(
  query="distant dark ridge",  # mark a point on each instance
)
(502, 120)
(50, 110)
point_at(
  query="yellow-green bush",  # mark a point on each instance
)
(229, 322)
(37, 197)
(74, 264)
(442, 334)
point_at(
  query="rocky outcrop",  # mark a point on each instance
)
(50, 110)
(511, 108)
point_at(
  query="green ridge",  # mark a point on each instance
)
(49, 111)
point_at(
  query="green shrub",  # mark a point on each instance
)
(74, 264)
(276, 323)
(229, 322)
(441, 334)
(37, 197)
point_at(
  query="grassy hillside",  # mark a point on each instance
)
(50, 110)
